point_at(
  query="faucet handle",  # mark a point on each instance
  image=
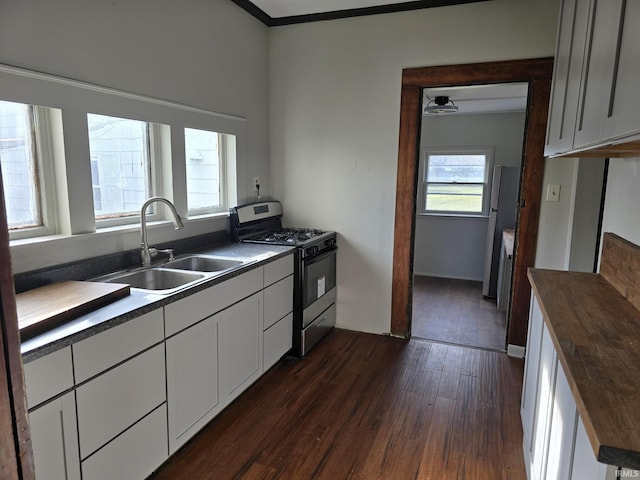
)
(167, 251)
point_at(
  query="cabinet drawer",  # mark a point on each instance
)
(278, 301)
(134, 454)
(277, 341)
(96, 354)
(278, 269)
(187, 311)
(48, 376)
(112, 402)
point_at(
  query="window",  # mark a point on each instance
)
(121, 165)
(205, 161)
(202, 155)
(24, 143)
(455, 182)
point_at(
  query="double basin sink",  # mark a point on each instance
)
(174, 275)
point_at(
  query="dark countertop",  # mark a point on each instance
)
(141, 302)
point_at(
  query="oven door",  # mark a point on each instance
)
(318, 277)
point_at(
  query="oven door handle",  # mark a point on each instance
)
(320, 257)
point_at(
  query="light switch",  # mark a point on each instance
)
(553, 193)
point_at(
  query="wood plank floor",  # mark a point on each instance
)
(455, 311)
(368, 407)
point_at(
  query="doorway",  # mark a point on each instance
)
(468, 186)
(537, 74)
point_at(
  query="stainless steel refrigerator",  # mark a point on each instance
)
(502, 215)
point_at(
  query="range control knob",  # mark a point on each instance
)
(331, 242)
(311, 250)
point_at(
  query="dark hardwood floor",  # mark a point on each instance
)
(363, 406)
(454, 311)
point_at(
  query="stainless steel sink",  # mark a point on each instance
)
(203, 263)
(158, 280)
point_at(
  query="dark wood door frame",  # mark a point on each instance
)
(16, 458)
(537, 74)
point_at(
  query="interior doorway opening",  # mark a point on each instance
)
(537, 74)
(466, 202)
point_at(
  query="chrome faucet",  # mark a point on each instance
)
(147, 253)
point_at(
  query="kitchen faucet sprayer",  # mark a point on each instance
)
(147, 253)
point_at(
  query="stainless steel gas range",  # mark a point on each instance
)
(314, 293)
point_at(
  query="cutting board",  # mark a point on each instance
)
(43, 308)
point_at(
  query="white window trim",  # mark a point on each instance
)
(223, 154)
(158, 157)
(71, 100)
(42, 118)
(488, 151)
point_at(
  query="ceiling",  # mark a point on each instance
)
(494, 98)
(285, 12)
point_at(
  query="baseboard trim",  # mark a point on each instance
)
(515, 351)
(450, 277)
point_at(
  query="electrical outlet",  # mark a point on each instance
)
(256, 182)
(553, 193)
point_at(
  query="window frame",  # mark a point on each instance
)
(223, 158)
(487, 151)
(156, 162)
(42, 137)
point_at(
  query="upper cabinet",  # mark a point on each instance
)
(594, 101)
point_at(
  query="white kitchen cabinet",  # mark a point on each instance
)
(563, 430)
(278, 269)
(530, 382)
(622, 119)
(544, 404)
(54, 439)
(192, 380)
(189, 310)
(585, 466)
(134, 454)
(600, 40)
(240, 334)
(278, 301)
(48, 376)
(277, 341)
(112, 402)
(106, 349)
(567, 75)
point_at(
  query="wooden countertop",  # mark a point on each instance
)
(596, 332)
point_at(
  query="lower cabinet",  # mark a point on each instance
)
(54, 439)
(134, 454)
(555, 443)
(115, 401)
(135, 393)
(192, 380)
(240, 346)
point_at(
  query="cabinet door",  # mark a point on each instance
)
(135, 454)
(115, 400)
(277, 340)
(564, 418)
(622, 117)
(192, 380)
(597, 73)
(585, 465)
(544, 403)
(278, 301)
(54, 438)
(240, 346)
(567, 72)
(530, 382)
(48, 376)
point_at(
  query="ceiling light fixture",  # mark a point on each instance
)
(440, 105)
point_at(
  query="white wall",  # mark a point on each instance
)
(622, 202)
(454, 247)
(335, 99)
(208, 54)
